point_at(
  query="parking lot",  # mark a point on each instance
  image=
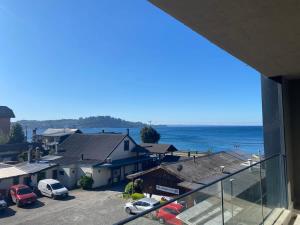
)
(102, 207)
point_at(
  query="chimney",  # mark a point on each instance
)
(81, 157)
(127, 131)
(34, 139)
(37, 154)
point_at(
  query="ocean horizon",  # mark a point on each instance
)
(200, 138)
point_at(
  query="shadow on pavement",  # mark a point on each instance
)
(70, 197)
(7, 213)
(35, 205)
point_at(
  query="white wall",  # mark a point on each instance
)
(69, 178)
(101, 177)
(119, 152)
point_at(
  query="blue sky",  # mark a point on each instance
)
(128, 59)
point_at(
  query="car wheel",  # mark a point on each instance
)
(128, 210)
(161, 221)
(52, 196)
(18, 203)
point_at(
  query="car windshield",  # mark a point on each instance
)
(24, 191)
(56, 186)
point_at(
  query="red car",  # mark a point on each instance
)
(167, 214)
(22, 194)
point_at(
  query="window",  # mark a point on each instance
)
(16, 180)
(126, 145)
(61, 173)
(54, 174)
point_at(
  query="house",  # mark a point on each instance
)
(29, 173)
(51, 137)
(186, 174)
(107, 157)
(160, 150)
(11, 152)
(5, 115)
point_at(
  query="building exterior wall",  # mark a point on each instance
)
(101, 177)
(5, 126)
(119, 152)
(67, 176)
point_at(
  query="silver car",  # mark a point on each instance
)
(140, 205)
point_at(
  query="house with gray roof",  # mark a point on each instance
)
(5, 115)
(186, 174)
(107, 157)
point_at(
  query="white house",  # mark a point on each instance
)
(106, 157)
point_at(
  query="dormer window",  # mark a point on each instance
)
(126, 145)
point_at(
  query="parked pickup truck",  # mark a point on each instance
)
(22, 195)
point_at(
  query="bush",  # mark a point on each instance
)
(129, 188)
(86, 182)
(137, 196)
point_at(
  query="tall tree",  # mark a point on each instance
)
(16, 134)
(3, 138)
(149, 135)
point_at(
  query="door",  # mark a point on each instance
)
(137, 207)
(48, 190)
(54, 174)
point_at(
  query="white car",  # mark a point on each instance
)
(52, 188)
(140, 205)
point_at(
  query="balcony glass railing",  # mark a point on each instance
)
(252, 195)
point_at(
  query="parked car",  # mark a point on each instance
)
(3, 204)
(167, 214)
(21, 194)
(52, 188)
(140, 205)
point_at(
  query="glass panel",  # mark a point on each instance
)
(242, 197)
(202, 207)
(273, 187)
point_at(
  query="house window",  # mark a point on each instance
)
(61, 173)
(15, 180)
(126, 145)
(54, 174)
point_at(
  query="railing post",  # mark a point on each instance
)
(222, 196)
(261, 194)
(222, 202)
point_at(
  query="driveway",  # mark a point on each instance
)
(101, 207)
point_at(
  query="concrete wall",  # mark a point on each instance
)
(291, 96)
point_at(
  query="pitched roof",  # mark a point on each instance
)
(94, 147)
(57, 132)
(159, 148)
(6, 112)
(11, 171)
(200, 170)
(34, 167)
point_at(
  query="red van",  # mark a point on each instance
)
(22, 195)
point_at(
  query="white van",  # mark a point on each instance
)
(52, 188)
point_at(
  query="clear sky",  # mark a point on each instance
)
(128, 59)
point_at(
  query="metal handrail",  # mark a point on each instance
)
(134, 217)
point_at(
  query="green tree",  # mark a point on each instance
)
(3, 138)
(149, 135)
(16, 134)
